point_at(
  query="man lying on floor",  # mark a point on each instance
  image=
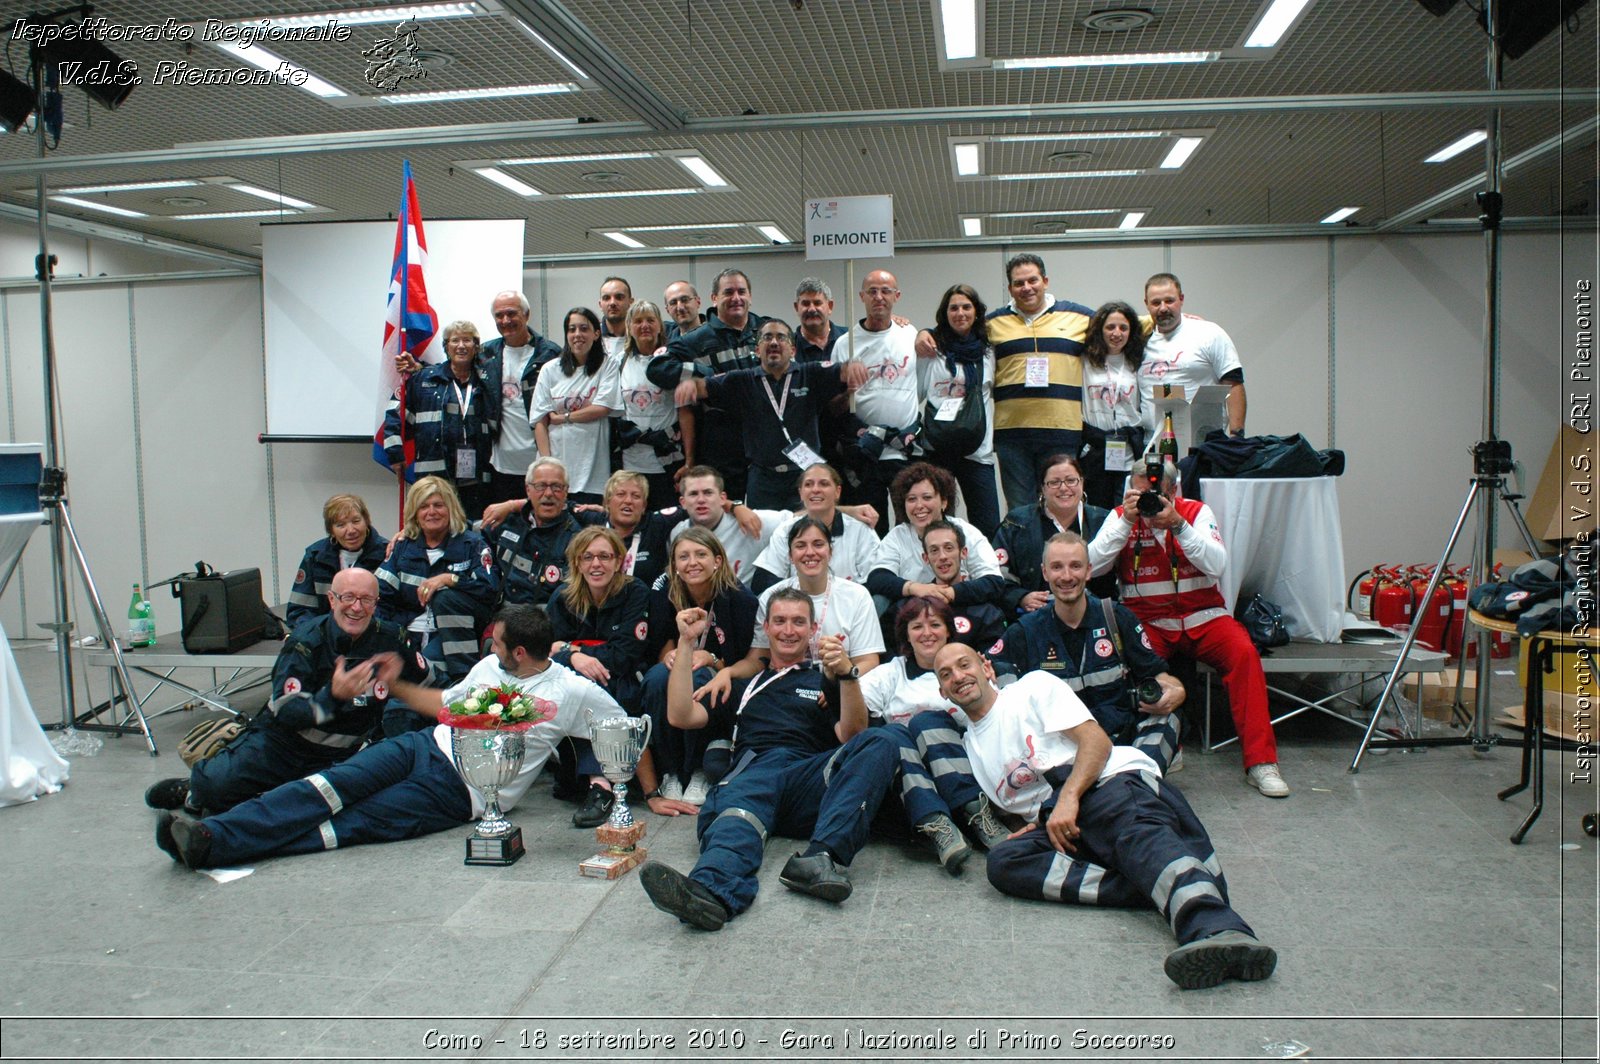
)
(1036, 752)
(407, 785)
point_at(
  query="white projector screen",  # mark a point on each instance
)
(324, 289)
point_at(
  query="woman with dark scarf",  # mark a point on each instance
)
(964, 362)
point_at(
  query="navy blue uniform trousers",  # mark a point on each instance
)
(395, 789)
(259, 760)
(1139, 844)
(829, 798)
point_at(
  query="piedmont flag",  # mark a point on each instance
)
(410, 322)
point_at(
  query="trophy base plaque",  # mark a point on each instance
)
(501, 851)
(610, 865)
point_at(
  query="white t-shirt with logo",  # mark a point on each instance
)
(853, 551)
(895, 697)
(938, 383)
(515, 449)
(1023, 736)
(650, 408)
(890, 396)
(1197, 353)
(583, 447)
(844, 609)
(1111, 395)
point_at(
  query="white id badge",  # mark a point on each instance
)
(800, 453)
(466, 463)
(948, 409)
(1038, 372)
(1119, 459)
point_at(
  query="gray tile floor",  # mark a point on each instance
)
(1408, 928)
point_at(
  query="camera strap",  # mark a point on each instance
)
(1115, 633)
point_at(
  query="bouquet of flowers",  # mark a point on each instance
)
(497, 708)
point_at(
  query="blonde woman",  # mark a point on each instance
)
(351, 542)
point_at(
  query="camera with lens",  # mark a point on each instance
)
(1150, 497)
(1148, 692)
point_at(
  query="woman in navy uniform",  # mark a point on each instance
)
(350, 543)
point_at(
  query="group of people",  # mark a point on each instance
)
(699, 531)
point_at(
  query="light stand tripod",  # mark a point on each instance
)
(53, 493)
(1491, 456)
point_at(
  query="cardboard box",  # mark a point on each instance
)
(1193, 417)
(1557, 509)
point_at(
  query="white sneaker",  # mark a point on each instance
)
(1268, 780)
(672, 788)
(699, 789)
(1177, 764)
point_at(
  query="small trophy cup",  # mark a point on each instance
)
(619, 742)
(488, 759)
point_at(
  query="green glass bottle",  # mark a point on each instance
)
(141, 620)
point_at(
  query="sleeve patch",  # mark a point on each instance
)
(641, 630)
(999, 645)
(291, 686)
(300, 576)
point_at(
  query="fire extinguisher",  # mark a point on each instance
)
(1391, 599)
(1500, 642)
(1458, 580)
(1358, 597)
(1432, 618)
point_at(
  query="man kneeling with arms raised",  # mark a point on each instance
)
(1037, 752)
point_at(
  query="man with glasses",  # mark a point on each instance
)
(529, 538)
(776, 408)
(327, 700)
(683, 310)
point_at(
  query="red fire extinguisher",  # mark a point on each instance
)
(1432, 618)
(1359, 597)
(1500, 642)
(1458, 580)
(1391, 599)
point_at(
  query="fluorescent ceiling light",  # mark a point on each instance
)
(1131, 220)
(972, 227)
(274, 197)
(358, 16)
(1275, 23)
(552, 88)
(1181, 150)
(555, 53)
(592, 157)
(774, 234)
(960, 21)
(1068, 173)
(214, 215)
(131, 186)
(1340, 215)
(622, 192)
(702, 170)
(624, 239)
(93, 206)
(709, 247)
(1109, 134)
(967, 162)
(1038, 62)
(1050, 214)
(1456, 147)
(506, 181)
(259, 57)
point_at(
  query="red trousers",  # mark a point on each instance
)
(1225, 646)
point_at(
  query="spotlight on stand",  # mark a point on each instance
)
(16, 102)
(93, 67)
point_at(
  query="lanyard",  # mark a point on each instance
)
(822, 617)
(778, 407)
(629, 556)
(751, 691)
(462, 404)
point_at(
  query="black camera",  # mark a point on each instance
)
(1150, 497)
(1147, 692)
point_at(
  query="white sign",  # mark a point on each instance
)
(850, 227)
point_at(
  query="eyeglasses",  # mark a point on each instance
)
(539, 487)
(591, 556)
(349, 599)
(782, 338)
(1063, 482)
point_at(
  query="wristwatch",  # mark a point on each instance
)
(853, 675)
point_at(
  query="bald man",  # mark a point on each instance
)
(887, 405)
(326, 702)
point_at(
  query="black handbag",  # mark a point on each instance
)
(957, 437)
(1264, 621)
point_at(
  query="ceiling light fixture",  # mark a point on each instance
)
(591, 157)
(292, 74)
(682, 228)
(93, 206)
(772, 233)
(1051, 214)
(212, 216)
(959, 20)
(968, 161)
(1131, 220)
(1068, 173)
(506, 181)
(623, 238)
(555, 53)
(972, 227)
(710, 247)
(1181, 150)
(1456, 147)
(1109, 134)
(702, 170)
(360, 16)
(1039, 62)
(1275, 22)
(1339, 215)
(552, 88)
(131, 186)
(622, 192)
(271, 196)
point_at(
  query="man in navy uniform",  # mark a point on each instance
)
(529, 536)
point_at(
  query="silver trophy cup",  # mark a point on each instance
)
(488, 760)
(618, 743)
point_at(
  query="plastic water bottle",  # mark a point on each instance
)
(141, 620)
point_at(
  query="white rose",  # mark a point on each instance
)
(496, 709)
(471, 705)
